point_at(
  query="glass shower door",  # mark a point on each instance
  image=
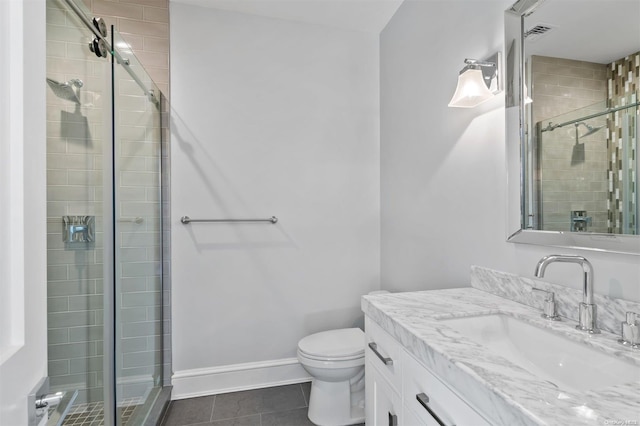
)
(138, 236)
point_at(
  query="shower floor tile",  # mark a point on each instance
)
(92, 414)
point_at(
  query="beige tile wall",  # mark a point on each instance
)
(144, 24)
(572, 176)
(563, 85)
(74, 187)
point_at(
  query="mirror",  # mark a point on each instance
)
(572, 123)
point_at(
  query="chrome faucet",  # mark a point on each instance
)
(587, 309)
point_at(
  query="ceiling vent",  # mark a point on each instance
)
(537, 31)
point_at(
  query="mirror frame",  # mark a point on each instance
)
(516, 153)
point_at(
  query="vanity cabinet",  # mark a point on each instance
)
(401, 391)
(384, 405)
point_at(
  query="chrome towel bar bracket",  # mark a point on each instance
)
(187, 220)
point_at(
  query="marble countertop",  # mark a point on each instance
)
(503, 391)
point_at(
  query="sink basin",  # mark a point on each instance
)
(564, 363)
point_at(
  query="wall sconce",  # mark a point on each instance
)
(478, 82)
(527, 98)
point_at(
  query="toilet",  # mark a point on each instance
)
(335, 359)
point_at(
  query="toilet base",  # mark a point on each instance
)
(334, 403)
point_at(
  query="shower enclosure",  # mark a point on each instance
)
(586, 170)
(106, 199)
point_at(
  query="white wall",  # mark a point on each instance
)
(443, 172)
(23, 340)
(269, 117)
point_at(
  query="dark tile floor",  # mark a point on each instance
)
(277, 406)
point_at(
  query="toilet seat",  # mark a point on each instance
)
(334, 345)
(327, 358)
(326, 364)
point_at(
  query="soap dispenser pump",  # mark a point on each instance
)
(630, 331)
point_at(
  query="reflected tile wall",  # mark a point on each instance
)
(572, 172)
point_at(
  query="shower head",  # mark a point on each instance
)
(66, 90)
(590, 129)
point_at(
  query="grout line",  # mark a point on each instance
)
(213, 406)
(282, 411)
(304, 397)
(236, 418)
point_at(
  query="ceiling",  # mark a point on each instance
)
(357, 15)
(600, 31)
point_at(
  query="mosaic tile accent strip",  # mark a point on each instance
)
(622, 89)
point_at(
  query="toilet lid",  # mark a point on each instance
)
(342, 343)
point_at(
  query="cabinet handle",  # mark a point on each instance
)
(393, 419)
(423, 399)
(385, 360)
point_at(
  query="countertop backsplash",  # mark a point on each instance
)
(611, 312)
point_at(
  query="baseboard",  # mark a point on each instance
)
(237, 377)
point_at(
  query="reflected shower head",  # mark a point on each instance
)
(590, 129)
(66, 90)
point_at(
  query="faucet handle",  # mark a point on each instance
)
(549, 309)
(630, 331)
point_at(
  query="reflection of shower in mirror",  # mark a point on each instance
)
(590, 129)
(585, 83)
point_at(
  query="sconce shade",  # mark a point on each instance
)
(527, 98)
(471, 90)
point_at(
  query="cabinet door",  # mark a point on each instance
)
(384, 352)
(409, 418)
(432, 401)
(382, 402)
